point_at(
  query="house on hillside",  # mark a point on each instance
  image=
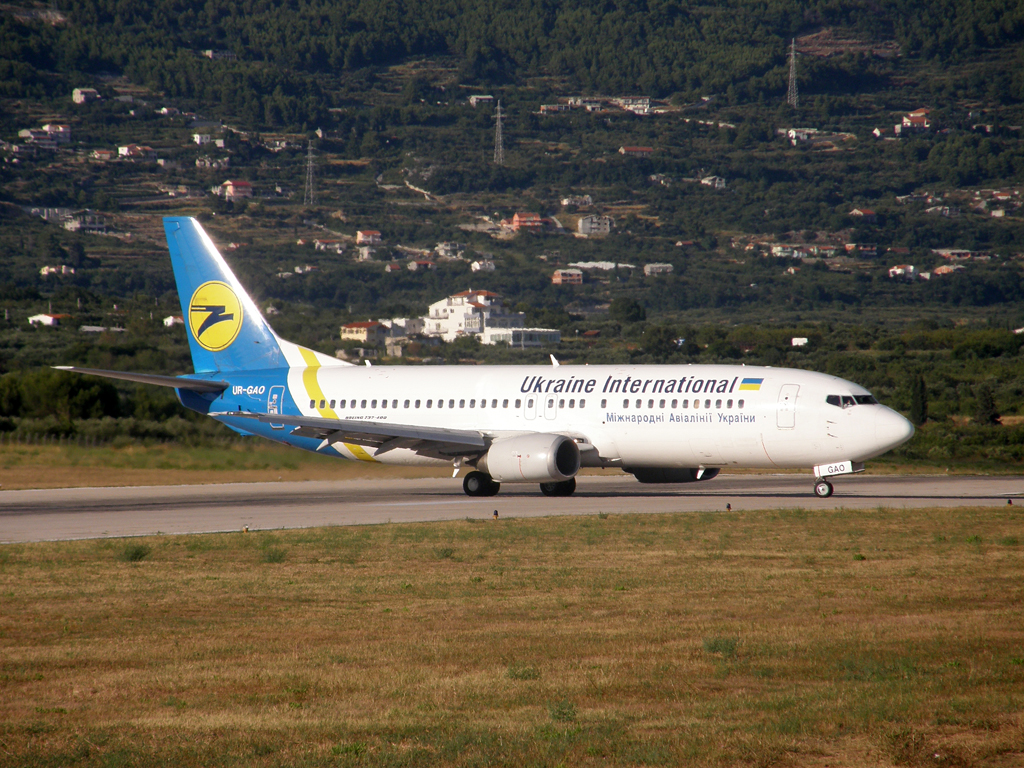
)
(368, 332)
(594, 225)
(531, 222)
(865, 214)
(470, 313)
(567, 277)
(84, 95)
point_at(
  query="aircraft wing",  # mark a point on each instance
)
(427, 441)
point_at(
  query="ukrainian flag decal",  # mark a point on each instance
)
(214, 316)
(751, 384)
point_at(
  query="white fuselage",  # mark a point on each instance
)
(634, 415)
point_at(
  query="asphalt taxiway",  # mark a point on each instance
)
(80, 513)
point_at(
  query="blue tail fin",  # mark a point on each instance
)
(226, 331)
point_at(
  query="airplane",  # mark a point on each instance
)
(508, 423)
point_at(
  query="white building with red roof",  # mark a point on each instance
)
(470, 313)
(236, 190)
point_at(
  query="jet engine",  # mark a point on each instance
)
(666, 475)
(537, 458)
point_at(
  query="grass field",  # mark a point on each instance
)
(776, 638)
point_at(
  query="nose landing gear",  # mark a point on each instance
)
(823, 488)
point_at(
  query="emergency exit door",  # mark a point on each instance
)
(787, 406)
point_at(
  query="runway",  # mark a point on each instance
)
(82, 513)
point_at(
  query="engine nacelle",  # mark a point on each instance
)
(537, 458)
(666, 475)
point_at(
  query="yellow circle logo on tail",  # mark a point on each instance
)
(214, 316)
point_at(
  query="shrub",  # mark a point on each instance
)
(133, 553)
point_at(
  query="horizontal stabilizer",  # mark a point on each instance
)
(196, 385)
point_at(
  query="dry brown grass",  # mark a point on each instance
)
(777, 638)
(50, 466)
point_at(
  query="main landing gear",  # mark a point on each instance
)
(564, 488)
(823, 488)
(480, 484)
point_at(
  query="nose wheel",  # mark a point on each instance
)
(823, 489)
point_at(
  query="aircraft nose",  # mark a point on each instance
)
(891, 429)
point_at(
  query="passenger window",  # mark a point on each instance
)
(718, 403)
(494, 403)
(650, 403)
(341, 404)
(551, 402)
(429, 403)
(352, 404)
(604, 403)
(561, 403)
(728, 403)
(639, 403)
(572, 403)
(504, 403)
(312, 403)
(383, 403)
(625, 403)
(662, 404)
(362, 404)
(417, 403)
(394, 403)
(332, 405)
(740, 403)
(373, 403)
(451, 403)
(529, 403)
(406, 404)
(583, 403)
(707, 403)
(440, 403)
(483, 403)
(696, 403)
(675, 404)
(472, 404)
(834, 400)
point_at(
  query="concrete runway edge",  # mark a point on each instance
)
(82, 513)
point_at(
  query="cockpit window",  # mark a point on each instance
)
(848, 401)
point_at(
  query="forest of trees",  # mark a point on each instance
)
(293, 58)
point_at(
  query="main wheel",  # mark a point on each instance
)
(479, 484)
(823, 489)
(564, 488)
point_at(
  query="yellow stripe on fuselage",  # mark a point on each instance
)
(309, 381)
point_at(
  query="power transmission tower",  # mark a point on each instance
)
(792, 96)
(499, 141)
(309, 199)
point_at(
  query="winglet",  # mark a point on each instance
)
(554, 361)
